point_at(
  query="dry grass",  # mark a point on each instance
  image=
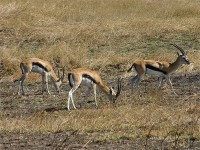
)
(98, 34)
(129, 121)
(84, 33)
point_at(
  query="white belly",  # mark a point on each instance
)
(87, 81)
(153, 72)
(37, 69)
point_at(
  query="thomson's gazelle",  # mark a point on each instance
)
(91, 79)
(42, 67)
(162, 69)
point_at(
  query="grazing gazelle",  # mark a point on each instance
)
(91, 79)
(42, 67)
(162, 69)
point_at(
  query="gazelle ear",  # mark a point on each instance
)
(178, 54)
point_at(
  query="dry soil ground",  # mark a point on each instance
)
(12, 106)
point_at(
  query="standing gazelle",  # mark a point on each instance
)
(162, 69)
(42, 67)
(91, 79)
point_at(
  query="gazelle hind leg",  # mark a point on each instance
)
(137, 79)
(70, 98)
(68, 101)
(133, 81)
(73, 102)
(21, 84)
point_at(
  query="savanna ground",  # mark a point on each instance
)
(106, 36)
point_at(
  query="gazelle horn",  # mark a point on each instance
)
(181, 50)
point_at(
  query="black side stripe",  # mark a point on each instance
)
(70, 82)
(40, 65)
(89, 77)
(156, 69)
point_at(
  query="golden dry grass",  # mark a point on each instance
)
(129, 121)
(84, 33)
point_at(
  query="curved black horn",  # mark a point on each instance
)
(58, 73)
(119, 87)
(182, 51)
(63, 73)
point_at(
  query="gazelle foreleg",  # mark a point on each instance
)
(170, 83)
(160, 81)
(45, 81)
(47, 84)
(95, 94)
(89, 88)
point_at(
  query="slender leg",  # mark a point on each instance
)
(47, 85)
(21, 82)
(43, 81)
(70, 97)
(170, 83)
(86, 95)
(133, 80)
(160, 82)
(137, 79)
(95, 94)
(73, 103)
(19, 86)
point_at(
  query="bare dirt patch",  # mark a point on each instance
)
(14, 106)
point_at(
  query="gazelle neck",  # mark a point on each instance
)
(54, 77)
(105, 88)
(175, 65)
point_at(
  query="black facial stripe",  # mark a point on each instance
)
(89, 77)
(155, 69)
(40, 65)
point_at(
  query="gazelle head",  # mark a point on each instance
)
(113, 95)
(60, 80)
(182, 58)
